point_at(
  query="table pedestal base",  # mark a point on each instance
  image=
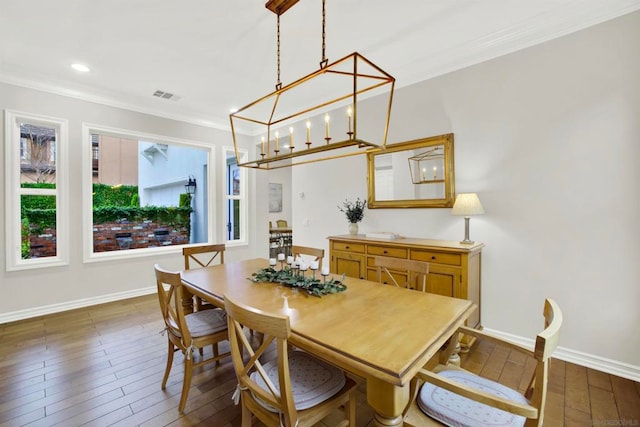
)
(388, 401)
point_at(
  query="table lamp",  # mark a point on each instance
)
(467, 204)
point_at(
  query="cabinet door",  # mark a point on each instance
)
(352, 265)
(443, 280)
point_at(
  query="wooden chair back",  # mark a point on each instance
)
(203, 255)
(169, 286)
(316, 253)
(536, 392)
(417, 272)
(546, 343)
(276, 328)
(281, 223)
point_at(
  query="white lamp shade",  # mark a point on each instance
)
(467, 204)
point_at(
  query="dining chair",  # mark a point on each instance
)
(316, 253)
(202, 256)
(281, 223)
(451, 396)
(295, 388)
(188, 332)
(416, 272)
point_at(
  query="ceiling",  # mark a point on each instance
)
(216, 55)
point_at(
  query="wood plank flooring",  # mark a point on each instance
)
(102, 366)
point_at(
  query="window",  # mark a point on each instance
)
(235, 202)
(36, 188)
(136, 200)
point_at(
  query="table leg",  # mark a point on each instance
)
(187, 301)
(388, 401)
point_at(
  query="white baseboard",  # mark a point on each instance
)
(70, 305)
(603, 364)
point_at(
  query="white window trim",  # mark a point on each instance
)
(244, 209)
(13, 191)
(87, 190)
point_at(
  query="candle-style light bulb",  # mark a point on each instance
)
(291, 137)
(277, 136)
(308, 131)
(424, 173)
(326, 121)
(262, 146)
(349, 119)
(435, 172)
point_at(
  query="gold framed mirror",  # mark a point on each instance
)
(412, 174)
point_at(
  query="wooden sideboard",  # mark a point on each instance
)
(454, 268)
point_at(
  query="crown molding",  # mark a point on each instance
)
(573, 17)
(89, 96)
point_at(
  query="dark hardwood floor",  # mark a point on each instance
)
(102, 366)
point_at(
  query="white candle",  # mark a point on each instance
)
(326, 121)
(291, 137)
(277, 135)
(314, 265)
(308, 131)
(280, 256)
(272, 261)
(289, 260)
(349, 118)
(325, 271)
(262, 146)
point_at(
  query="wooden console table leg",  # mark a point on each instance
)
(388, 401)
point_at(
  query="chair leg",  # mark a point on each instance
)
(246, 416)
(169, 364)
(216, 352)
(186, 383)
(350, 409)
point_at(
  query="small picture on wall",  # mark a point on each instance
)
(275, 197)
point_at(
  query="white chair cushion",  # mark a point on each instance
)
(454, 410)
(206, 322)
(312, 381)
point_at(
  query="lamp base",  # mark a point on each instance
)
(466, 240)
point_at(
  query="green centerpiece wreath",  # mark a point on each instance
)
(293, 278)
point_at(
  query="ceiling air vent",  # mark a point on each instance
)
(165, 95)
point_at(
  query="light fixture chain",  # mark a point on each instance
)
(323, 62)
(279, 83)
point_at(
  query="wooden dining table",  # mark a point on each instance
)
(381, 333)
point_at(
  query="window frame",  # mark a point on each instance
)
(243, 197)
(87, 199)
(13, 191)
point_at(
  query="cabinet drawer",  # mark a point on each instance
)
(351, 247)
(436, 257)
(387, 251)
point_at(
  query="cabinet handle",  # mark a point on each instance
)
(433, 257)
(384, 252)
(346, 247)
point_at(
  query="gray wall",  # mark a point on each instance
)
(549, 137)
(32, 291)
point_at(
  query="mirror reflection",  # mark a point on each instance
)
(417, 173)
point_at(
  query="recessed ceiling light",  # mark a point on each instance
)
(80, 67)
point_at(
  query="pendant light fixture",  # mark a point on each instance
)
(321, 109)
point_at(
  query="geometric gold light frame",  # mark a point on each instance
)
(334, 89)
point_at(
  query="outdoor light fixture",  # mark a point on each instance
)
(467, 204)
(190, 186)
(321, 109)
